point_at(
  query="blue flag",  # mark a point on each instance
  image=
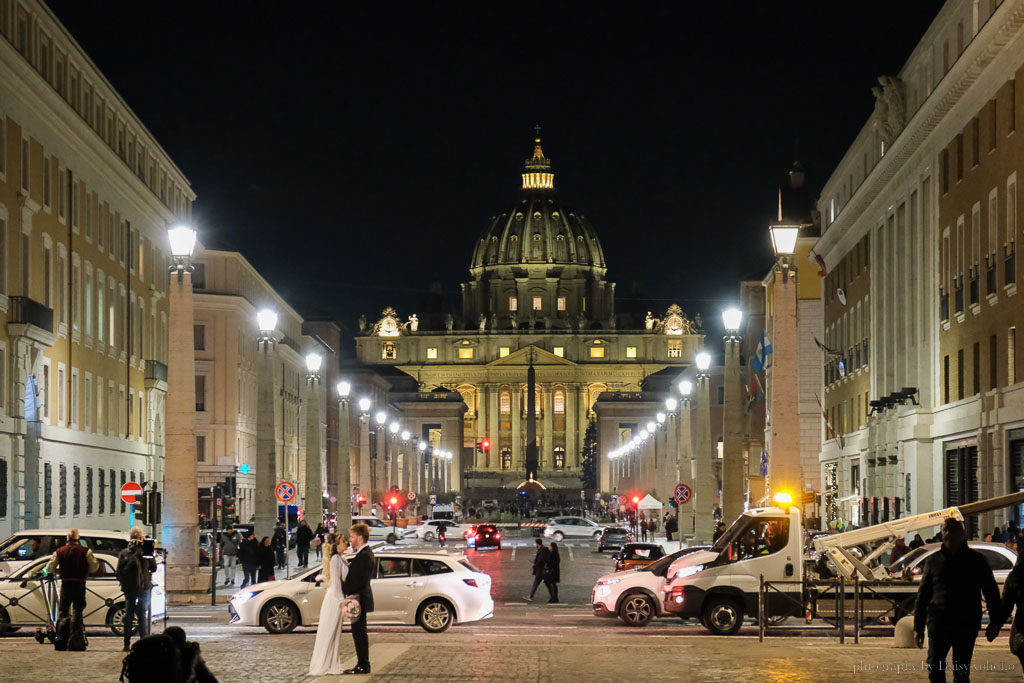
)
(764, 464)
(764, 347)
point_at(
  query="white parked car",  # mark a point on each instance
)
(433, 590)
(25, 593)
(572, 527)
(427, 531)
(635, 596)
(20, 549)
(380, 529)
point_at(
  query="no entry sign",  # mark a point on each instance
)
(131, 492)
(285, 491)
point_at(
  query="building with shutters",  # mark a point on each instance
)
(86, 193)
(920, 224)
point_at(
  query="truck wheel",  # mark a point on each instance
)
(722, 616)
(636, 610)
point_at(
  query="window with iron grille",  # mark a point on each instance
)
(47, 489)
(123, 481)
(113, 492)
(62, 476)
(88, 490)
(103, 490)
(76, 492)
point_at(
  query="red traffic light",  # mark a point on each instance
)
(486, 444)
(394, 501)
(361, 499)
(636, 499)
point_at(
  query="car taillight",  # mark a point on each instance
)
(476, 538)
(471, 582)
(497, 537)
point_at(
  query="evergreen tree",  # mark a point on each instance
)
(590, 457)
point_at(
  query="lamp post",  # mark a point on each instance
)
(379, 453)
(782, 433)
(390, 463)
(314, 487)
(686, 510)
(704, 477)
(734, 477)
(344, 468)
(266, 438)
(180, 532)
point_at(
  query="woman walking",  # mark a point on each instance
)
(267, 561)
(1013, 600)
(326, 657)
(552, 573)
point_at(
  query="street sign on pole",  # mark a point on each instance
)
(285, 491)
(131, 492)
(412, 495)
(433, 500)
(615, 500)
(683, 494)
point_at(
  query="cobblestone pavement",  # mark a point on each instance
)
(538, 654)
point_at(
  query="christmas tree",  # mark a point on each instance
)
(589, 474)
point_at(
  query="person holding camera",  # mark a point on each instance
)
(135, 574)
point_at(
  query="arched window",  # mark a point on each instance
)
(559, 402)
(506, 403)
(539, 398)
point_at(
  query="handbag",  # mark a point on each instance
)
(1016, 639)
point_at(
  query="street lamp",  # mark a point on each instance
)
(266, 320)
(344, 467)
(364, 409)
(661, 418)
(685, 387)
(671, 404)
(784, 239)
(381, 418)
(266, 426)
(393, 427)
(732, 318)
(651, 426)
(314, 488)
(705, 487)
(182, 238)
(405, 436)
(703, 361)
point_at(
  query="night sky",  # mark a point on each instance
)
(353, 152)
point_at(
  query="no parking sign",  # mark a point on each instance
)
(285, 491)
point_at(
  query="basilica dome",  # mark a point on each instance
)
(539, 228)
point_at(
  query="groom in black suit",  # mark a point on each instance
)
(360, 571)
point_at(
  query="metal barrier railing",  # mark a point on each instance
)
(875, 604)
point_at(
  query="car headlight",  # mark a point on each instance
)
(689, 571)
(242, 597)
(608, 582)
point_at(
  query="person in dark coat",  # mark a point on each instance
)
(320, 533)
(303, 536)
(540, 561)
(552, 573)
(361, 567)
(280, 544)
(917, 542)
(949, 603)
(1013, 600)
(265, 556)
(192, 663)
(899, 549)
(248, 556)
(136, 585)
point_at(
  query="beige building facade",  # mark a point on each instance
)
(920, 226)
(86, 194)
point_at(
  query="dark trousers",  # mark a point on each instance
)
(72, 596)
(303, 551)
(249, 574)
(552, 587)
(536, 582)
(362, 641)
(279, 551)
(942, 638)
(136, 604)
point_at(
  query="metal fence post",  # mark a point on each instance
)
(842, 610)
(858, 599)
(760, 609)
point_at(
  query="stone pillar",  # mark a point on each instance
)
(686, 516)
(314, 486)
(667, 451)
(365, 461)
(733, 472)
(573, 438)
(266, 442)
(379, 482)
(517, 427)
(343, 467)
(493, 428)
(547, 452)
(784, 470)
(705, 488)
(180, 533)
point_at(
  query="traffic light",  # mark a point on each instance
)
(486, 445)
(636, 502)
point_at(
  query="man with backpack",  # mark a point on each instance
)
(74, 563)
(135, 574)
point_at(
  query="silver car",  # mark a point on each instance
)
(1000, 558)
(572, 527)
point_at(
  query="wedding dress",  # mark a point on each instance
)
(326, 657)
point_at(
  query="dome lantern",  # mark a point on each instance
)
(538, 175)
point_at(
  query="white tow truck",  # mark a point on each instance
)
(721, 586)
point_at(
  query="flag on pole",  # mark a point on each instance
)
(764, 347)
(822, 270)
(752, 394)
(764, 464)
(831, 352)
(828, 425)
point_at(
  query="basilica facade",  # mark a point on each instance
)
(537, 296)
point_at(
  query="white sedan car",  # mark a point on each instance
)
(433, 590)
(572, 527)
(380, 529)
(427, 531)
(26, 596)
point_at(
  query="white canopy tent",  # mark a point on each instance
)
(648, 503)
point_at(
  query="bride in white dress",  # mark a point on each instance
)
(326, 657)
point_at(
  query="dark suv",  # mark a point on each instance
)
(614, 537)
(487, 536)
